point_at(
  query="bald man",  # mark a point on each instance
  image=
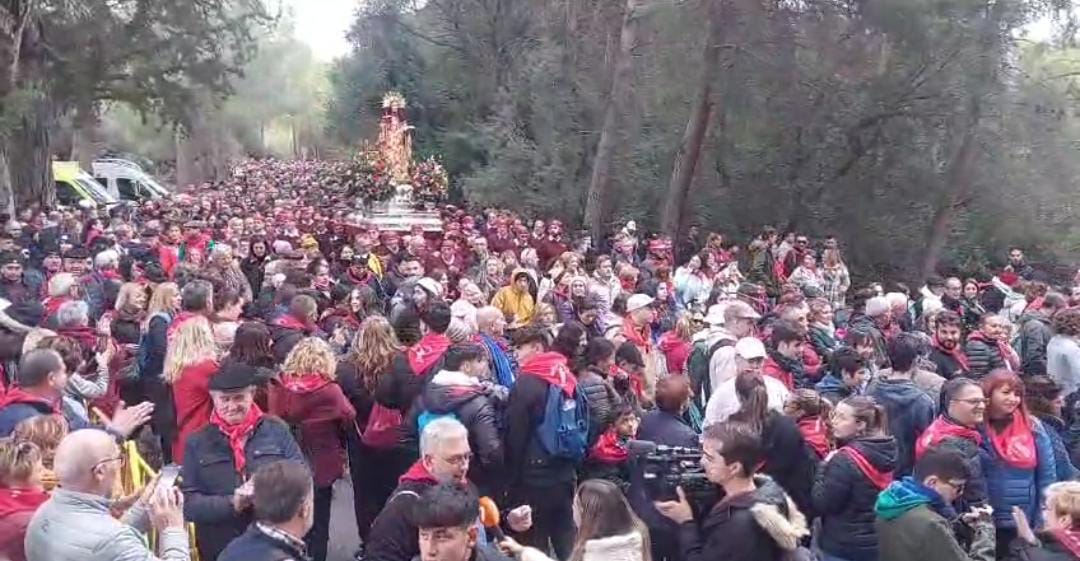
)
(491, 324)
(75, 523)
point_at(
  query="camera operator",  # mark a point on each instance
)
(755, 521)
(663, 426)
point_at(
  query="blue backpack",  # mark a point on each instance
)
(564, 432)
(142, 358)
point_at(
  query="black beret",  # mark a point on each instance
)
(234, 376)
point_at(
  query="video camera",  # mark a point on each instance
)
(669, 467)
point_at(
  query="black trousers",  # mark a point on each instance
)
(319, 536)
(552, 517)
(374, 475)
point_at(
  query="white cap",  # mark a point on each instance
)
(750, 348)
(715, 316)
(638, 301)
(431, 285)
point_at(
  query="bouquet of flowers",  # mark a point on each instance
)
(429, 182)
(367, 176)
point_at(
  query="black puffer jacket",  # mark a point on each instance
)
(1035, 334)
(983, 357)
(762, 525)
(846, 489)
(789, 460)
(602, 399)
(477, 407)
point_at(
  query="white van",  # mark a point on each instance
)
(75, 187)
(126, 180)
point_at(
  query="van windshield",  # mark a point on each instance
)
(95, 190)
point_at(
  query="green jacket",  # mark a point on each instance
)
(921, 533)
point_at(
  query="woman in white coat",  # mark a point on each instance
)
(608, 530)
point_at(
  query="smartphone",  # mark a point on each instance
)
(169, 475)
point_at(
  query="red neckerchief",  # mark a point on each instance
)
(880, 479)
(641, 339)
(1016, 443)
(15, 394)
(288, 321)
(1006, 352)
(417, 472)
(179, 320)
(956, 353)
(427, 351)
(815, 432)
(304, 383)
(86, 336)
(1069, 539)
(941, 429)
(52, 305)
(637, 385)
(610, 448)
(238, 434)
(551, 367)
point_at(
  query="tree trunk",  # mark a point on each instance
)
(686, 159)
(958, 184)
(596, 204)
(30, 144)
(14, 17)
(86, 144)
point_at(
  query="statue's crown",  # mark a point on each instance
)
(393, 100)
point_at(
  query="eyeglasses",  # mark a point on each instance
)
(118, 458)
(959, 486)
(974, 401)
(459, 460)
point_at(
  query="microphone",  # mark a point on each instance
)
(489, 517)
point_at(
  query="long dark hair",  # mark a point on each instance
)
(251, 345)
(604, 512)
(753, 400)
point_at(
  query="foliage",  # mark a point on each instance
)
(832, 117)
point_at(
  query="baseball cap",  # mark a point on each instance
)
(750, 348)
(638, 301)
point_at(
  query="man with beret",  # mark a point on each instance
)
(13, 287)
(220, 459)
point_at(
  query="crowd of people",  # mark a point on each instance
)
(501, 388)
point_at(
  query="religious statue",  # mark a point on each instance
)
(395, 138)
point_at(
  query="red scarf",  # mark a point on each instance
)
(941, 429)
(1015, 444)
(15, 394)
(609, 449)
(304, 383)
(814, 432)
(1069, 539)
(551, 367)
(1007, 354)
(880, 479)
(179, 320)
(238, 434)
(956, 353)
(86, 336)
(640, 338)
(52, 305)
(427, 351)
(289, 321)
(418, 473)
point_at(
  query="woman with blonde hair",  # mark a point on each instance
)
(21, 493)
(309, 399)
(1059, 539)
(608, 529)
(370, 358)
(190, 362)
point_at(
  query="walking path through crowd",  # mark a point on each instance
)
(503, 389)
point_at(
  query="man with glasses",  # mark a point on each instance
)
(915, 513)
(76, 524)
(444, 458)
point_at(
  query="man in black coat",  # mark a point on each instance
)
(220, 458)
(946, 351)
(284, 512)
(756, 520)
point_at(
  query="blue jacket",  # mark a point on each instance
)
(1056, 430)
(832, 388)
(16, 412)
(209, 479)
(1009, 486)
(909, 410)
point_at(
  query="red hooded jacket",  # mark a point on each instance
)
(17, 507)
